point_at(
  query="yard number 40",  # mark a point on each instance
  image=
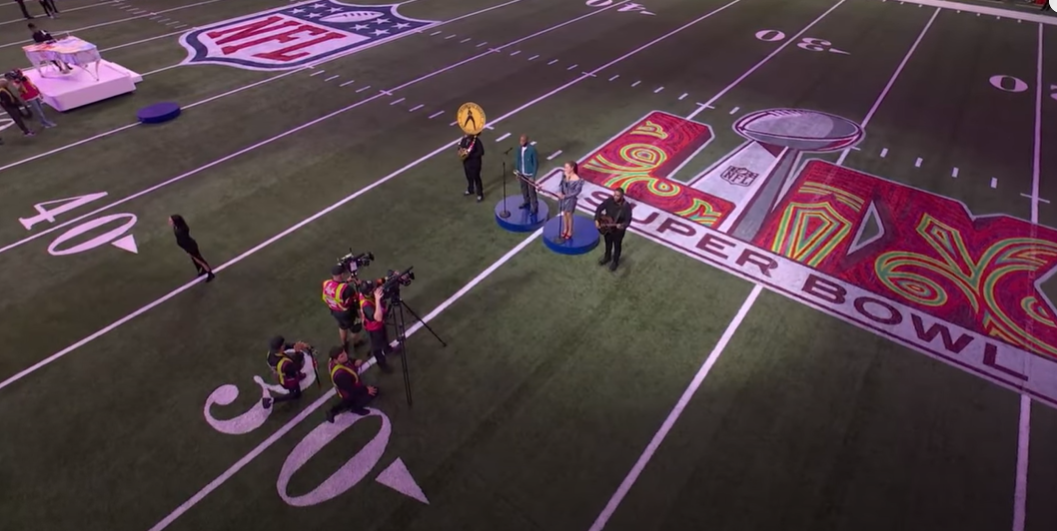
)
(49, 210)
(626, 7)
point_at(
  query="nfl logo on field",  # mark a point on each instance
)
(739, 176)
(293, 36)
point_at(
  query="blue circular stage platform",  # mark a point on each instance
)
(158, 113)
(584, 240)
(520, 220)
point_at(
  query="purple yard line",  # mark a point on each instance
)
(349, 82)
(240, 89)
(64, 11)
(118, 21)
(362, 89)
(394, 102)
(1020, 490)
(891, 81)
(416, 107)
(436, 114)
(658, 438)
(676, 411)
(319, 402)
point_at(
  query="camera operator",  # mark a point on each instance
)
(340, 297)
(353, 394)
(372, 313)
(286, 361)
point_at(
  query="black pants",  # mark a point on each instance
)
(293, 394)
(380, 345)
(473, 179)
(49, 7)
(529, 193)
(22, 4)
(16, 116)
(353, 403)
(613, 241)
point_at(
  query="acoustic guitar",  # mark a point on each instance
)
(606, 225)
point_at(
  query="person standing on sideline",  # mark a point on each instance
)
(31, 95)
(472, 151)
(10, 103)
(344, 373)
(526, 164)
(568, 192)
(190, 246)
(49, 8)
(22, 5)
(615, 211)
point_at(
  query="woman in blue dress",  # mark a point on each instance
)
(568, 192)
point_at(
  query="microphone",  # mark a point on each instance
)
(507, 152)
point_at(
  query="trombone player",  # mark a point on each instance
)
(526, 163)
(471, 151)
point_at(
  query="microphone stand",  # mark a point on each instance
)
(504, 213)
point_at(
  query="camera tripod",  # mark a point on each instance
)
(395, 317)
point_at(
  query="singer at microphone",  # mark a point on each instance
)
(525, 166)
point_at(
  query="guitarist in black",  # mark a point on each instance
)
(612, 218)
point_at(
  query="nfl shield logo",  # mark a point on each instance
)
(739, 176)
(293, 36)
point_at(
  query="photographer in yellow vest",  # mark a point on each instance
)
(341, 297)
(344, 373)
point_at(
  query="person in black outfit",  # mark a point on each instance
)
(22, 4)
(40, 37)
(353, 394)
(286, 361)
(49, 8)
(188, 244)
(472, 165)
(618, 210)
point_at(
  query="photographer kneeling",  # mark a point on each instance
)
(286, 361)
(346, 378)
(372, 314)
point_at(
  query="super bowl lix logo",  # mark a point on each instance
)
(294, 36)
(904, 263)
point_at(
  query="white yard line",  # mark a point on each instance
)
(554, 155)
(64, 11)
(502, 138)
(416, 107)
(1020, 491)
(888, 87)
(676, 411)
(436, 114)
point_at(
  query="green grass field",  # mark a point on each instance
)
(694, 388)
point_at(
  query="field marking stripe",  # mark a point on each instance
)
(117, 21)
(123, 320)
(770, 56)
(676, 412)
(892, 81)
(1020, 490)
(319, 402)
(246, 87)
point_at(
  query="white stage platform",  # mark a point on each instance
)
(63, 92)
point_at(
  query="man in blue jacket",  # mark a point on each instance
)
(526, 163)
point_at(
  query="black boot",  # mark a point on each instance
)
(605, 260)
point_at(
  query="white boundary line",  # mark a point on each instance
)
(676, 412)
(1020, 489)
(116, 21)
(319, 402)
(240, 89)
(673, 416)
(288, 132)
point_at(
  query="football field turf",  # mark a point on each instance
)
(853, 335)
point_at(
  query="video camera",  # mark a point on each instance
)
(352, 261)
(390, 284)
(15, 75)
